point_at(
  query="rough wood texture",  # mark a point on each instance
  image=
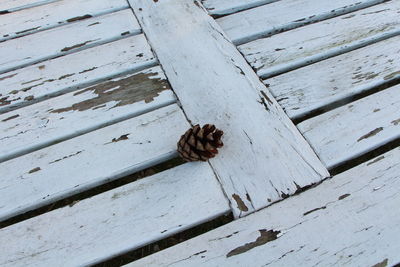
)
(333, 80)
(27, 50)
(299, 47)
(264, 157)
(225, 7)
(70, 167)
(57, 76)
(25, 130)
(8, 6)
(356, 128)
(55, 14)
(350, 220)
(284, 15)
(114, 222)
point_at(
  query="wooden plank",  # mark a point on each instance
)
(55, 14)
(61, 118)
(303, 46)
(350, 220)
(284, 15)
(356, 128)
(310, 88)
(81, 163)
(67, 39)
(264, 157)
(56, 76)
(226, 7)
(114, 222)
(8, 6)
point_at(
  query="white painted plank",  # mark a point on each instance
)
(299, 47)
(312, 87)
(8, 6)
(55, 14)
(116, 221)
(78, 164)
(356, 128)
(66, 39)
(56, 76)
(36, 126)
(350, 220)
(264, 156)
(284, 15)
(225, 7)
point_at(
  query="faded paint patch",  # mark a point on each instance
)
(129, 90)
(240, 204)
(10, 118)
(265, 237)
(34, 170)
(370, 134)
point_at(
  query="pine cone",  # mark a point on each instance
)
(200, 143)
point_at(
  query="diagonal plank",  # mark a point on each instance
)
(8, 6)
(356, 128)
(56, 76)
(66, 39)
(81, 163)
(226, 7)
(299, 47)
(264, 158)
(36, 126)
(116, 221)
(284, 15)
(337, 79)
(350, 220)
(40, 18)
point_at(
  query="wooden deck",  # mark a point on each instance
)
(94, 96)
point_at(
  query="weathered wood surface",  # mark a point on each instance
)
(350, 220)
(116, 221)
(226, 7)
(55, 14)
(312, 87)
(299, 47)
(64, 117)
(264, 157)
(356, 128)
(8, 6)
(78, 164)
(56, 76)
(249, 25)
(66, 39)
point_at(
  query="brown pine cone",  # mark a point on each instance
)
(200, 143)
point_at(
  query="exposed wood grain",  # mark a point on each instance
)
(8, 6)
(299, 47)
(312, 87)
(66, 39)
(264, 157)
(116, 221)
(350, 220)
(356, 128)
(81, 163)
(284, 15)
(55, 14)
(225, 7)
(79, 112)
(56, 76)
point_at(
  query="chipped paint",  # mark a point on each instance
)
(34, 170)
(265, 237)
(65, 157)
(240, 204)
(8, 76)
(395, 122)
(370, 134)
(121, 138)
(381, 264)
(375, 160)
(27, 30)
(125, 91)
(311, 211)
(12, 117)
(87, 70)
(79, 18)
(391, 75)
(68, 48)
(343, 196)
